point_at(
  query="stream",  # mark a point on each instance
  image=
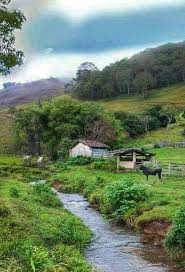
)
(115, 249)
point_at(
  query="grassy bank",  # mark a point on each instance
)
(36, 233)
(160, 203)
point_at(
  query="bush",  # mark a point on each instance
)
(71, 258)
(46, 196)
(104, 164)
(4, 210)
(14, 192)
(123, 196)
(80, 160)
(35, 257)
(175, 239)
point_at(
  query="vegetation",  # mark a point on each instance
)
(173, 95)
(154, 68)
(175, 240)
(10, 21)
(151, 119)
(6, 132)
(52, 127)
(159, 201)
(36, 233)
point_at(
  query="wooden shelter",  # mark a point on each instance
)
(131, 158)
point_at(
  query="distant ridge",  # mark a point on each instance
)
(28, 92)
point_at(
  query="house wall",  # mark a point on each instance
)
(81, 150)
(127, 164)
(99, 152)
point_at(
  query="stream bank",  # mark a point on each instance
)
(114, 248)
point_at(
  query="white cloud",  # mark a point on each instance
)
(64, 65)
(80, 9)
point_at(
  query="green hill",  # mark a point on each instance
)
(174, 95)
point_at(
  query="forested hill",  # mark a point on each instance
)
(151, 69)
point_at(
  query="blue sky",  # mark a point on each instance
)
(59, 35)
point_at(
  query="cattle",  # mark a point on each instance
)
(27, 160)
(41, 162)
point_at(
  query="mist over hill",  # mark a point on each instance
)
(28, 92)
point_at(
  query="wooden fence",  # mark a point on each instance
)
(161, 144)
(171, 168)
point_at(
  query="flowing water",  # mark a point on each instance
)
(115, 249)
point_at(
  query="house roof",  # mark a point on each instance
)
(131, 150)
(93, 144)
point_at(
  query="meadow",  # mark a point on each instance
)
(37, 233)
(174, 95)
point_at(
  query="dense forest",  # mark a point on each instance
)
(152, 68)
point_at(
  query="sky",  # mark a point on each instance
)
(61, 34)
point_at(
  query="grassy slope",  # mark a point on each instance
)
(173, 133)
(36, 233)
(173, 95)
(162, 204)
(6, 134)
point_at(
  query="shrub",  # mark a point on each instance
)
(46, 196)
(175, 239)
(80, 160)
(104, 164)
(123, 196)
(35, 257)
(71, 259)
(4, 210)
(14, 192)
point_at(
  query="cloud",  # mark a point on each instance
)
(63, 65)
(81, 9)
(106, 31)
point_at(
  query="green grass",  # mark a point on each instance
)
(173, 133)
(174, 95)
(6, 133)
(162, 204)
(36, 233)
(176, 155)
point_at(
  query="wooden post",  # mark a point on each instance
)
(169, 168)
(118, 162)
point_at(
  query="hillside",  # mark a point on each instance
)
(174, 95)
(28, 92)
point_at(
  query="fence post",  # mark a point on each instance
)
(169, 168)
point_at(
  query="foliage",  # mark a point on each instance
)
(80, 160)
(175, 239)
(152, 119)
(154, 68)
(10, 21)
(39, 236)
(52, 127)
(104, 164)
(46, 196)
(124, 195)
(14, 192)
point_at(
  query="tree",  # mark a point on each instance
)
(169, 112)
(10, 20)
(86, 67)
(143, 82)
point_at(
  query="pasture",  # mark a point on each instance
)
(174, 95)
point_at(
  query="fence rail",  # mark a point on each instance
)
(171, 168)
(180, 144)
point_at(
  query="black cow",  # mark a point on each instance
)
(151, 172)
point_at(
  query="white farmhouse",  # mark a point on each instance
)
(89, 148)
